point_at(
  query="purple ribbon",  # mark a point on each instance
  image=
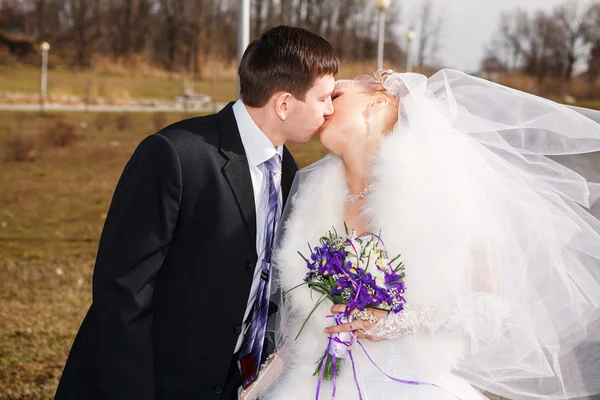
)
(375, 236)
(323, 369)
(418, 383)
(335, 338)
(331, 352)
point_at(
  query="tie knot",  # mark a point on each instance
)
(273, 164)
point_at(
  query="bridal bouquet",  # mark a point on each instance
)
(356, 271)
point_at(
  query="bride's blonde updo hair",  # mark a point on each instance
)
(374, 84)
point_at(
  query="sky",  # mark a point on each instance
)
(470, 25)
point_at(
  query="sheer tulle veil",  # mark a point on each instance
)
(526, 177)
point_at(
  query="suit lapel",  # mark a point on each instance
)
(236, 170)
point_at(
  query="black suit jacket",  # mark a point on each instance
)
(174, 269)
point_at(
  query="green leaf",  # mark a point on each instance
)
(295, 287)
(321, 300)
(302, 255)
(321, 288)
(400, 267)
(395, 258)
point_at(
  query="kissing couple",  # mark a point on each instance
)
(199, 291)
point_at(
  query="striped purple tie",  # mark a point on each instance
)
(252, 345)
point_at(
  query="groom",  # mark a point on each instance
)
(180, 286)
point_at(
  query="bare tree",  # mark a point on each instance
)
(508, 46)
(572, 25)
(545, 44)
(430, 25)
(85, 22)
(491, 64)
(183, 34)
(199, 12)
(257, 17)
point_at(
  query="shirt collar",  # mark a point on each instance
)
(257, 145)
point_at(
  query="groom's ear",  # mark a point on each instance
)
(281, 103)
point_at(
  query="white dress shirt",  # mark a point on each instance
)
(258, 150)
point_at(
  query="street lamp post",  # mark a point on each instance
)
(45, 46)
(382, 6)
(410, 36)
(243, 31)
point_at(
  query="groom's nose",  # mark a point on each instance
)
(329, 108)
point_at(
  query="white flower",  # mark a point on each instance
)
(384, 264)
(355, 246)
(379, 277)
(380, 282)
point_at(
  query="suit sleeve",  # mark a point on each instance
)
(135, 242)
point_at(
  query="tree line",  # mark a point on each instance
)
(560, 43)
(180, 35)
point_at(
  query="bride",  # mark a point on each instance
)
(502, 256)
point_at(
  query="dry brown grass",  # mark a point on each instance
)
(123, 121)
(116, 86)
(100, 122)
(159, 119)
(580, 88)
(213, 68)
(25, 143)
(61, 134)
(119, 81)
(117, 96)
(51, 214)
(136, 64)
(19, 147)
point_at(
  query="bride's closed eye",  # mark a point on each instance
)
(335, 95)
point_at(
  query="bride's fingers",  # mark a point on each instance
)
(349, 327)
(338, 308)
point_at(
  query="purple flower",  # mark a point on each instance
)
(342, 284)
(341, 274)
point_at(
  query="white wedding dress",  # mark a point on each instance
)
(502, 260)
(319, 206)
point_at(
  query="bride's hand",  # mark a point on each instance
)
(370, 319)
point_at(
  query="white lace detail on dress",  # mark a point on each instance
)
(487, 311)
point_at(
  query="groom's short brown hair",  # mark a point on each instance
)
(284, 58)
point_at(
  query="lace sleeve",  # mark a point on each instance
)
(269, 371)
(485, 311)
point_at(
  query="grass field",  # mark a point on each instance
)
(52, 210)
(121, 86)
(26, 79)
(593, 104)
(129, 84)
